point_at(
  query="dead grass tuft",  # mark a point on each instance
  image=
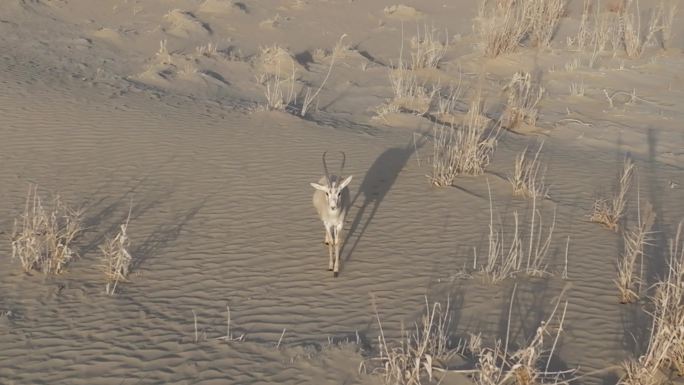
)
(524, 366)
(116, 260)
(528, 178)
(609, 213)
(420, 351)
(43, 238)
(666, 343)
(635, 240)
(463, 150)
(523, 98)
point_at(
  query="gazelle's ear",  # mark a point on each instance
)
(345, 182)
(319, 187)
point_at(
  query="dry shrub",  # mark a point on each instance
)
(528, 178)
(278, 73)
(503, 26)
(621, 27)
(609, 213)
(428, 50)
(420, 351)
(463, 150)
(523, 98)
(409, 94)
(666, 343)
(43, 239)
(116, 260)
(524, 366)
(630, 27)
(635, 240)
(505, 259)
(544, 16)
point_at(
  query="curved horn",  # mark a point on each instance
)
(325, 167)
(344, 160)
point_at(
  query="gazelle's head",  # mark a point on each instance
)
(333, 191)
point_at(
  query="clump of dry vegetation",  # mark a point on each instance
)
(505, 259)
(523, 98)
(504, 25)
(665, 350)
(116, 260)
(609, 212)
(409, 93)
(635, 241)
(621, 28)
(279, 85)
(420, 351)
(524, 366)
(43, 238)
(428, 50)
(528, 177)
(463, 150)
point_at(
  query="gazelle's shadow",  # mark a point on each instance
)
(377, 182)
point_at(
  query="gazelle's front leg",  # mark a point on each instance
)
(336, 239)
(329, 241)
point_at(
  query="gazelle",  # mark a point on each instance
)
(331, 200)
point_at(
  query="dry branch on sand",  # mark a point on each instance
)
(610, 212)
(42, 240)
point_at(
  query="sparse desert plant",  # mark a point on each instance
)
(665, 348)
(524, 366)
(308, 97)
(502, 26)
(446, 104)
(505, 259)
(523, 98)
(421, 349)
(630, 27)
(428, 50)
(528, 177)
(116, 260)
(609, 213)
(669, 11)
(544, 16)
(635, 240)
(409, 93)
(621, 28)
(466, 150)
(43, 238)
(280, 93)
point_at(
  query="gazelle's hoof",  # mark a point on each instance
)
(335, 274)
(330, 269)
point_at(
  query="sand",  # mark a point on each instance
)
(126, 106)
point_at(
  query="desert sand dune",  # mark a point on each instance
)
(183, 113)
